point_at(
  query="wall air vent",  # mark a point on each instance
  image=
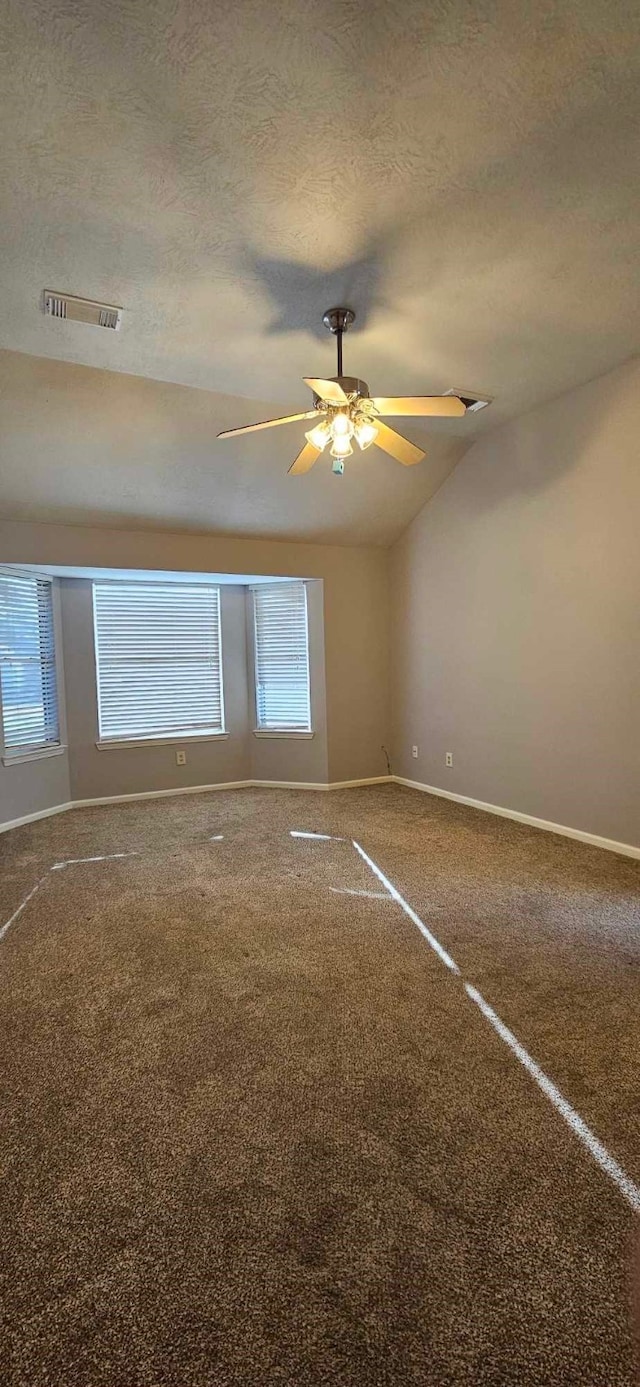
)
(474, 403)
(81, 310)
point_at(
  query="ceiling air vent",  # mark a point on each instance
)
(81, 310)
(474, 403)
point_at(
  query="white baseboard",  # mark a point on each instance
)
(192, 790)
(324, 785)
(288, 785)
(39, 814)
(353, 784)
(594, 839)
(161, 794)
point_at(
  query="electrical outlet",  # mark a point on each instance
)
(181, 758)
(414, 751)
(448, 758)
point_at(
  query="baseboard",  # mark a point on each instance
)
(192, 790)
(161, 794)
(39, 814)
(353, 784)
(319, 785)
(288, 785)
(594, 839)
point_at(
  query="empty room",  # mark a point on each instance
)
(320, 705)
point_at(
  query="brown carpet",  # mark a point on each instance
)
(256, 1133)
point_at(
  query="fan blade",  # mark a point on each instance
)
(268, 424)
(397, 446)
(328, 390)
(305, 459)
(441, 406)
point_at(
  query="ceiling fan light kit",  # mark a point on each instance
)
(345, 412)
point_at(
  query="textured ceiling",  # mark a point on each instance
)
(463, 174)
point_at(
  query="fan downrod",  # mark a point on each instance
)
(337, 320)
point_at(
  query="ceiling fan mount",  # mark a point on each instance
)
(338, 319)
(345, 411)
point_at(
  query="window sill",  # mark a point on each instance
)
(38, 754)
(283, 732)
(115, 744)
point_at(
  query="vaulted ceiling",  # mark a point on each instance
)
(463, 174)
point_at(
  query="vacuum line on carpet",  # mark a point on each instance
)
(430, 938)
(21, 907)
(76, 861)
(370, 895)
(326, 837)
(607, 1163)
(57, 867)
(588, 1138)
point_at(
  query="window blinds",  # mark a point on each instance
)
(282, 657)
(158, 659)
(27, 664)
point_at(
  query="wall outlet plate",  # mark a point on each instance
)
(448, 758)
(181, 758)
(414, 751)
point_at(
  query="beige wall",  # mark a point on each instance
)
(29, 787)
(97, 774)
(355, 616)
(33, 786)
(516, 617)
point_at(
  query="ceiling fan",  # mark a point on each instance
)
(345, 411)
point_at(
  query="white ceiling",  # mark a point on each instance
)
(462, 173)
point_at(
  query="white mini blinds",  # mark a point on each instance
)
(158, 660)
(27, 664)
(282, 657)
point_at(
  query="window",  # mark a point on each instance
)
(28, 665)
(158, 660)
(282, 657)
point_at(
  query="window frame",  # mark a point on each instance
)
(38, 751)
(169, 737)
(292, 733)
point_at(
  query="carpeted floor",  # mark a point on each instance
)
(255, 1132)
